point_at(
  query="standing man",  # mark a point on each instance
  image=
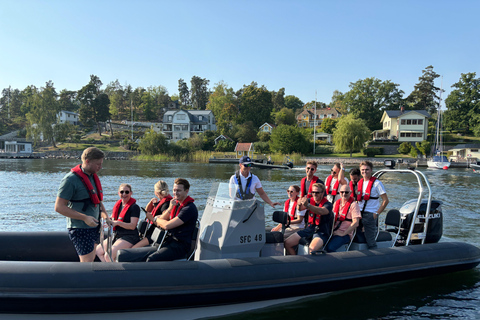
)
(334, 181)
(355, 176)
(347, 217)
(370, 189)
(79, 199)
(320, 219)
(310, 179)
(246, 183)
(179, 220)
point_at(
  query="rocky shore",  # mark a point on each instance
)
(77, 154)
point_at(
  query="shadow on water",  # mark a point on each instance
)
(453, 296)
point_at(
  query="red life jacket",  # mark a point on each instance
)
(354, 190)
(315, 218)
(294, 208)
(368, 192)
(303, 187)
(77, 170)
(333, 192)
(342, 216)
(159, 205)
(116, 208)
(176, 209)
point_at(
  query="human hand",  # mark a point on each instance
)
(90, 221)
(273, 204)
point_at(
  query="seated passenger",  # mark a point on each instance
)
(297, 217)
(320, 219)
(124, 220)
(154, 209)
(347, 217)
(179, 220)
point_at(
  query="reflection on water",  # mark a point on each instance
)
(29, 188)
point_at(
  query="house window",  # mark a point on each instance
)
(414, 121)
(21, 147)
(200, 118)
(473, 150)
(169, 118)
(180, 117)
(403, 121)
(409, 121)
(420, 121)
(402, 134)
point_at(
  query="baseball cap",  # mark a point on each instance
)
(245, 160)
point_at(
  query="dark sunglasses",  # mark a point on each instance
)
(290, 191)
(308, 168)
(315, 192)
(346, 192)
(247, 165)
(125, 191)
(334, 171)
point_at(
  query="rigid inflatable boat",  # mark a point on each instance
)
(235, 261)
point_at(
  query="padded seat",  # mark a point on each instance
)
(273, 237)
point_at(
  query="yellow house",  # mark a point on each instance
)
(403, 126)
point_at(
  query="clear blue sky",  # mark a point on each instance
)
(300, 45)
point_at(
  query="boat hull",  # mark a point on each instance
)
(72, 287)
(438, 164)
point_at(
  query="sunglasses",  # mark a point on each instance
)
(308, 168)
(125, 191)
(345, 192)
(290, 191)
(333, 171)
(247, 165)
(315, 192)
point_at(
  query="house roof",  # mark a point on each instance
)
(268, 124)
(243, 146)
(319, 111)
(399, 113)
(467, 145)
(223, 136)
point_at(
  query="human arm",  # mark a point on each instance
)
(341, 175)
(133, 214)
(265, 197)
(61, 206)
(382, 207)
(151, 205)
(300, 216)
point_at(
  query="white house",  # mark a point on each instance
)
(181, 124)
(23, 148)
(403, 125)
(465, 151)
(68, 116)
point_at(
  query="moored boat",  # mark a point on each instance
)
(236, 261)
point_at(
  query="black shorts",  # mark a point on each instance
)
(130, 238)
(84, 239)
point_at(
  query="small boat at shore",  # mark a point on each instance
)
(475, 167)
(236, 262)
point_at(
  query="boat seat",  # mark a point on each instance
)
(273, 237)
(393, 222)
(283, 218)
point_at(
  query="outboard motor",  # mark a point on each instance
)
(435, 221)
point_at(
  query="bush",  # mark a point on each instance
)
(404, 148)
(413, 152)
(324, 149)
(262, 147)
(372, 152)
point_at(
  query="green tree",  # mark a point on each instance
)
(424, 147)
(43, 116)
(246, 132)
(148, 106)
(87, 96)
(278, 99)
(350, 134)
(183, 93)
(199, 92)
(68, 100)
(368, 98)
(425, 95)
(256, 104)
(463, 103)
(153, 143)
(288, 139)
(294, 103)
(64, 131)
(284, 116)
(223, 103)
(404, 148)
(338, 103)
(328, 125)
(225, 146)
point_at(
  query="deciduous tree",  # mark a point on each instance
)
(288, 139)
(256, 104)
(350, 134)
(199, 92)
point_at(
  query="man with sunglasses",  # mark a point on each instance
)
(310, 179)
(346, 216)
(79, 199)
(319, 221)
(334, 181)
(246, 183)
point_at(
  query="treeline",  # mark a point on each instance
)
(238, 113)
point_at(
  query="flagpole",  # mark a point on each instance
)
(314, 122)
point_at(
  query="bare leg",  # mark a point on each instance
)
(141, 243)
(100, 252)
(316, 244)
(291, 242)
(90, 257)
(119, 244)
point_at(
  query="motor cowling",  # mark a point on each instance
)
(435, 220)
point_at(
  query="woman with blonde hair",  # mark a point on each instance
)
(154, 209)
(124, 220)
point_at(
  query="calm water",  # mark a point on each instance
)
(29, 190)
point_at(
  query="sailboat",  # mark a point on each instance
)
(438, 160)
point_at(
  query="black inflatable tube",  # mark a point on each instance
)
(63, 287)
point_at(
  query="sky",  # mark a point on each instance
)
(310, 48)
